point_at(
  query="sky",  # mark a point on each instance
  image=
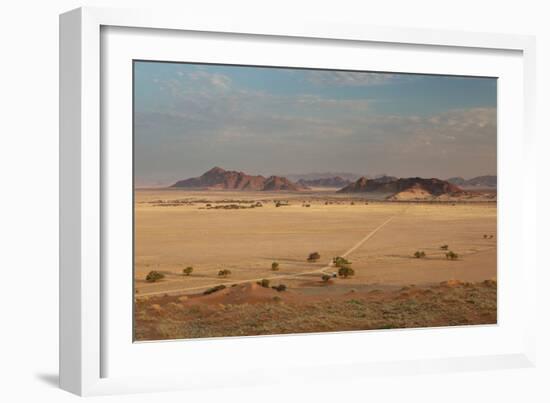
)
(189, 118)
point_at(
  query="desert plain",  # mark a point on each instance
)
(246, 232)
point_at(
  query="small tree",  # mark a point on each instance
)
(419, 254)
(274, 266)
(339, 261)
(313, 257)
(188, 270)
(325, 278)
(444, 247)
(224, 272)
(154, 276)
(346, 271)
(451, 255)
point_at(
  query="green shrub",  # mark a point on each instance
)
(451, 255)
(325, 277)
(224, 272)
(346, 271)
(339, 261)
(274, 266)
(154, 276)
(188, 270)
(214, 289)
(314, 257)
(419, 254)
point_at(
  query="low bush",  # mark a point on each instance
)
(346, 271)
(419, 254)
(314, 257)
(444, 247)
(339, 261)
(154, 276)
(325, 277)
(280, 287)
(214, 289)
(188, 270)
(224, 272)
(274, 266)
(451, 255)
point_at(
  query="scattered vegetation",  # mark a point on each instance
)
(313, 257)
(325, 277)
(214, 289)
(154, 276)
(280, 287)
(224, 272)
(274, 266)
(188, 270)
(346, 271)
(451, 255)
(419, 254)
(444, 247)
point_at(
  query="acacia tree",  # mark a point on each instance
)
(346, 271)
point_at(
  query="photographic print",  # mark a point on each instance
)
(271, 200)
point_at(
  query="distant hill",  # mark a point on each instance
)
(484, 181)
(322, 175)
(219, 178)
(332, 182)
(404, 188)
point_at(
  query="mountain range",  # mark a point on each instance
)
(219, 178)
(485, 181)
(404, 188)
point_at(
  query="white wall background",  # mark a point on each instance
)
(29, 201)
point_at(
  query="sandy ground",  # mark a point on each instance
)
(181, 231)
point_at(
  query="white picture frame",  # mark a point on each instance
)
(91, 361)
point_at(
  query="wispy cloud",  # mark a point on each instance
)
(208, 118)
(348, 78)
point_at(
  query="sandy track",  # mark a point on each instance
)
(321, 270)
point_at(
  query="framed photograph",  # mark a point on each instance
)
(266, 200)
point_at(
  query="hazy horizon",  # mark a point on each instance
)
(189, 118)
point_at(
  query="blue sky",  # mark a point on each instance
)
(191, 117)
